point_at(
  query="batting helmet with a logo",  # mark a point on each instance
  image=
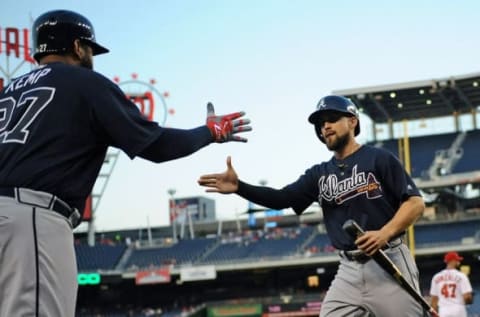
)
(334, 103)
(55, 31)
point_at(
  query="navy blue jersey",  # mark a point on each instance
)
(56, 124)
(368, 186)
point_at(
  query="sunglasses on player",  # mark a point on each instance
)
(330, 117)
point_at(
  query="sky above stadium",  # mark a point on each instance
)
(273, 59)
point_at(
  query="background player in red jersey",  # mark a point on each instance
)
(56, 123)
(360, 182)
(451, 289)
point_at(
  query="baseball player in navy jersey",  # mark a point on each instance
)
(56, 123)
(451, 289)
(363, 183)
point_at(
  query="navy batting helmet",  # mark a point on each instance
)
(55, 31)
(334, 103)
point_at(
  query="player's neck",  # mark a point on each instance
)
(66, 59)
(350, 148)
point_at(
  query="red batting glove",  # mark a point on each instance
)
(224, 128)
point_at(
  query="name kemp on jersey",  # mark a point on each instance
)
(28, 79)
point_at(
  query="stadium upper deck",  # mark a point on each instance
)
(434, 98)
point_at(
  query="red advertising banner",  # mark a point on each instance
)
(157, 276)
(87, 212)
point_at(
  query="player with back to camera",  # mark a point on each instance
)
(360, 182)
(450, 288)
(56, 123)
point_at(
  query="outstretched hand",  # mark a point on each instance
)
(224, 127)
(225, 183)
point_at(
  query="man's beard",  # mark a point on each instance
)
(338, 144)
(86, 62)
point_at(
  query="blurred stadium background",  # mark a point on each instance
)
(270, 262)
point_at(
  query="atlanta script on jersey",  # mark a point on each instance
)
(368, 186)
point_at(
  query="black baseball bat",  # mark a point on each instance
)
(354, 230)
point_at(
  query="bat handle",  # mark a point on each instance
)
(353, 229)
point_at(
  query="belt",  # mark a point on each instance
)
(360, 257)
(43, 200)
(355, 255)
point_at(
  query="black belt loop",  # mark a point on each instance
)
(355, 255)
(9, 192)
(56, 204)
(393, 243)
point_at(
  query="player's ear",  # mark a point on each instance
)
(77, 49)
(353, 122)
(80, 49)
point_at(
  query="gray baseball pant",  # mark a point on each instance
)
(361, 290)
(38, 270)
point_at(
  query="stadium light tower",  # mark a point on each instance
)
(173, 212)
